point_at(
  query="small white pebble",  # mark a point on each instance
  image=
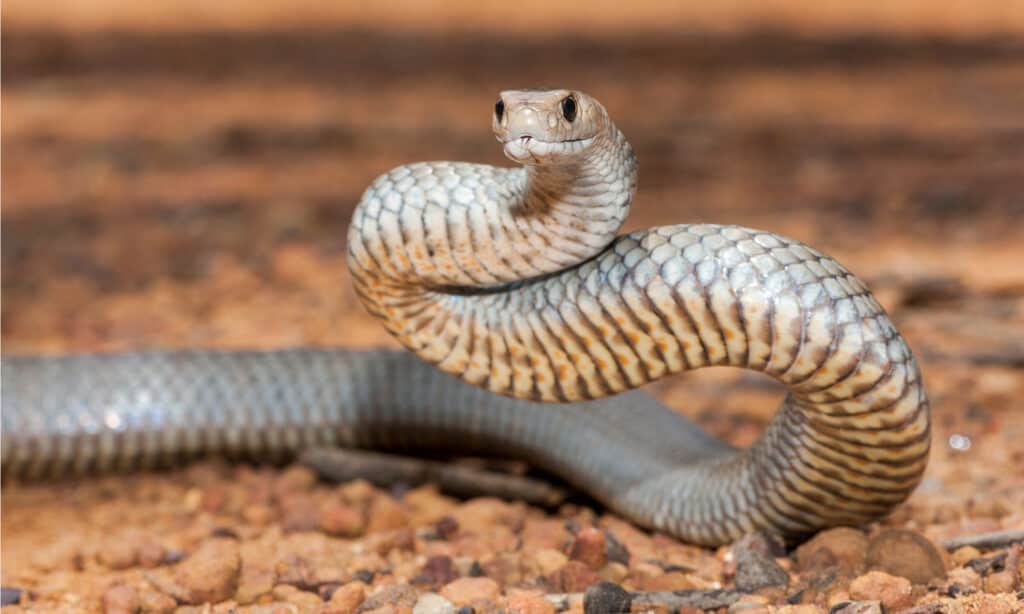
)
(960, 443)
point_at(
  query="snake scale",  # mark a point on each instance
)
(516, 282)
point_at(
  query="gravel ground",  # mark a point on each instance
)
(192, 188)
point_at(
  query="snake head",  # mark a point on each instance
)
(548, 126)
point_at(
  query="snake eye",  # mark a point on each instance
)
(569, 108)
(499, 108)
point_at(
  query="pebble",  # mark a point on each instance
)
(294, 479)
(613, 572)
(905, 553)
(528, 602)
(999, 582)
(589, 547)
(841, 547)
(616, 551)
(606, 598)
(341, 520)
(298, 512)
(894, 592)
(483, 514)
(432, 603)
(118, 552)
(799, 609)
(983, 603)
(121, 599)
(668, 581)
(211, 573)
(545, 533)
(258, 514)
(573, 577)
(964, 577)
(504, 568)
(465, 590)
(305, 600)
(385, 514)
(151, 554)
(964, 554)
(440, 569)
(392, 595)
(755, 564)
(348, 597)
(857, 607)
(153, 602)
(750, 604)
(549, 561)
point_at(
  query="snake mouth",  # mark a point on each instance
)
(528, 148)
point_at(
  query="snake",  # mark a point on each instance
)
(530, 321)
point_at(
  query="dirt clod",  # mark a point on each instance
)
(211, 573)
(894, 592)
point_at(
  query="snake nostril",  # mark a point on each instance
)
(499, 109)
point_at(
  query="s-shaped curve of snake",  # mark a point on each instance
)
(515, 280)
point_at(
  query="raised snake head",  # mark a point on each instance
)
(548, 126)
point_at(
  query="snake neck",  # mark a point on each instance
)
(425, 233)
(592, 193)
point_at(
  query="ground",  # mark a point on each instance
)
(172, 184)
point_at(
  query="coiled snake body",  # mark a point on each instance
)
(514, 281)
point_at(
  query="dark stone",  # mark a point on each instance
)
(466, 609)
(606, 598)
(755, 562)
(439, 569)
(986, 565)
(858, 607)
(9, 596)
(326, 591)
(446, 527)
(224, 532)
(615, 551)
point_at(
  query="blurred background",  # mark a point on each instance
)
(182, 173)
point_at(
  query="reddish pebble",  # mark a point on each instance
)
(298, 513)
(341, 520)
(573, 577)
(440, 569)
(589, 548)
(121, 599)
(211, 573)
(151, 554)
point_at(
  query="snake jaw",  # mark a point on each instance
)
(529, 150)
